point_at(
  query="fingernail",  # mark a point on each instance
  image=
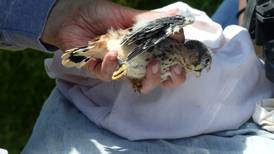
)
(155, 68)
(178, 70)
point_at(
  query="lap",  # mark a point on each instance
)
(61, 128)
(226, 14)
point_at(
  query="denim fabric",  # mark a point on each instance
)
(226, 14)
(62, 129)
(22, 22)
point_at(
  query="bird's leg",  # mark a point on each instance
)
(136, 84)
(122, 71)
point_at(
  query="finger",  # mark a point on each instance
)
(177, 77)
(109, 63)
(94, 67)
(179, 36)
(152, 78)
(103, 69)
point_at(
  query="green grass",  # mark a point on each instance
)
(24, 85)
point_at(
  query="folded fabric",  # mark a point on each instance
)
(264, 114)
(221, 99)
(3, 151)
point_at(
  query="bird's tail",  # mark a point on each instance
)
(78, 57)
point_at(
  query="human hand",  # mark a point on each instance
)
(73, 23)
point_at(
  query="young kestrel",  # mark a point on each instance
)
(138, 45)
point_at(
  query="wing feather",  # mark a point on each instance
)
(153, 33)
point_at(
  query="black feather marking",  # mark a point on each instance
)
(77, 59)
(80, 48)
(151, 34)
(86, 60)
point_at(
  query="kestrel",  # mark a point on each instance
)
(138, 45)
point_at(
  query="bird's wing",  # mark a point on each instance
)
(152, 33)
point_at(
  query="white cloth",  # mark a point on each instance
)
(221, 99)
(264, 114)
(3, 151)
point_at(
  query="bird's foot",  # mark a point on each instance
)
(136, 84)
(122, 71)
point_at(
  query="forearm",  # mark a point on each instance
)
(242, 5)
(22, 23)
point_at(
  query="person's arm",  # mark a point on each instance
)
(242, 5)
(22, 23)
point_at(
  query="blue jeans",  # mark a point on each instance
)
(226, 14)
(62, 129)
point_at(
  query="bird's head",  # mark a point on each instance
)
(199, 56)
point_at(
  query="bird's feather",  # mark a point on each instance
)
(153, 33)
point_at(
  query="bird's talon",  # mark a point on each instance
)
(122, 71)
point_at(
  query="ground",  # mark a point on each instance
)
(24, 85)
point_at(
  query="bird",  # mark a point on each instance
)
(138, 45)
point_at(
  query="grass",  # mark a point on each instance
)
(24, 88)
(24, 85)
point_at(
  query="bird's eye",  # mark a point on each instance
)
(207, 60)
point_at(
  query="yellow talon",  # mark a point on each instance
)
(122, 71)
